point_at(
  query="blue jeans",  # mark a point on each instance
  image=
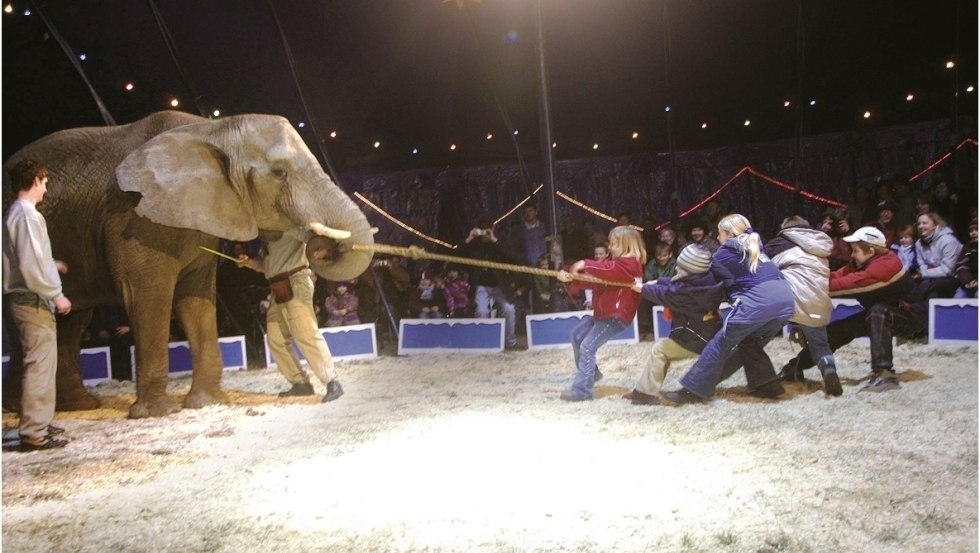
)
(751, 339)
(586, 338)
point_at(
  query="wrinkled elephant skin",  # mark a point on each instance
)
(127, 209)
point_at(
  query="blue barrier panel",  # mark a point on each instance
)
(953, 321)
(231, 349)
(463, 335)
(550, 330)
(345, 343)
(96, 365)
(233, 352)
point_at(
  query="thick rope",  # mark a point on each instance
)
(415, 252)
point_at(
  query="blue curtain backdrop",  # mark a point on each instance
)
(446, 203)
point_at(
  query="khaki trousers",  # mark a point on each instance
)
(663, 352)
(38, 337)
(296, 320)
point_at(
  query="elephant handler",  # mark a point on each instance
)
(31, 295)
(291, 315)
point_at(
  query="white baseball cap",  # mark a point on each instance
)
(871, 235)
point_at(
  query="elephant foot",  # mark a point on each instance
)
(78, 400)
(159, 407)
(200, 398)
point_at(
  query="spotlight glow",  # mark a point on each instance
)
(174, 102)
(81, 56)
(129, 87)
(516, 131)
(704, 125)
(969, 88)
(635, 135)
(813, 102)
(8, 9)
(909, 97)
(333, 134)
(377, 145)
(489, 136)
(786, 104)
(301, 124)
(216, 113)
(452, 147)
(595, 146)
(415, 151)
(747, 123)
(950, 64)
(867, 115)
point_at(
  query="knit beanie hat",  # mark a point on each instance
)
(694, 259)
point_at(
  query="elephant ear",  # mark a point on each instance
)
(184, 183)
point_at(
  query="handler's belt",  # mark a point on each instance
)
(287, 274)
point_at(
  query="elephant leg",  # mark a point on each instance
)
(71, 394)
(149, 309)
(194, 301)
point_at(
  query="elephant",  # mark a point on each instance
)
(128, 208)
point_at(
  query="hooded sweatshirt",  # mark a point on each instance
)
(938, 253)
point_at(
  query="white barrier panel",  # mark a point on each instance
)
(553, 330)
(232, 350)
(345, 343)
(460, 335)
(953, 322)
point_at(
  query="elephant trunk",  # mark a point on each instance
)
(332, 258)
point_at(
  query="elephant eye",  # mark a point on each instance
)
(279, 173)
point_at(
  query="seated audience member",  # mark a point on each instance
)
(669, 237)
(966, 267)
(886, 222)
(340, 306)
(456, 291)
(691, 297)
(663, 264)
(592, 234)
(599, 253)
(426, 301)
(698, 234)
(801, 254)
(936, 251)
(835, 225)
(904, 247)
(876, 279)
(923, 204)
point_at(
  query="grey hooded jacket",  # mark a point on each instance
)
(801, 254)
(937, 255)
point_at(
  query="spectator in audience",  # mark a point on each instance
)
(493, 288)
(861, 211)
(801, 254)
(944, 202)
(426, 301)
(341, 305)
(835, 225)
(531, 236)
(574, 243)
(690, 299)
(592, 234)
(614, 306)
(110, 327)
(876, 279)
(904, 248)
(966, 267)
(698, 234)
(713, 213)
(669, 237)
(936, 251)
(456, 289)
(623, 220)
(762, 302)
(905, 202)
(600, 253)
(663, 264)
(886, 222)
(923, 204)
(393, 280)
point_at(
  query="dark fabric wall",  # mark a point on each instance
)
(446, 203)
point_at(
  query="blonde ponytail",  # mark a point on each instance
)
(748, 240)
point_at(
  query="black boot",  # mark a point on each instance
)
(682, 396)
(334, 391)
(771, 390)
(301, 389)
(792, 372)
(831, 382)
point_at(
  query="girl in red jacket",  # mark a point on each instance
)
(614, 307)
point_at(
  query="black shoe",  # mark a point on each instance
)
(682, 396)
(55, 430)
(831, 384)
(791, 373)
(771, 390)
(334, 391)
(637, 397)
(301, 389)
(47, 442)
(598, 375)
